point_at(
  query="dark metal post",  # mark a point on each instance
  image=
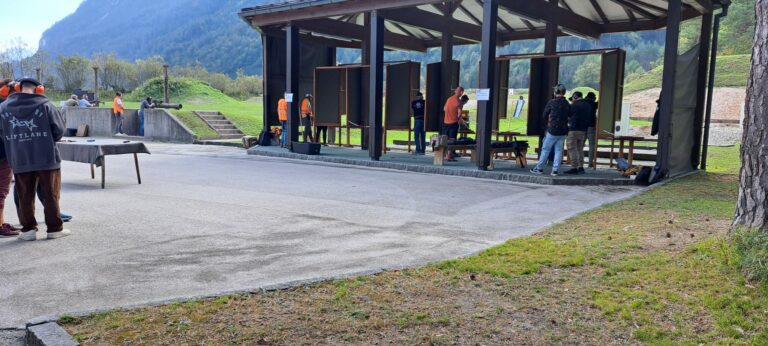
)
(96, 83)
(292, 82)
(166, 97)
(485, 111)
(376, 89)
(365, 59)
(446, 60)
(701, 86)
(668, 85)
(711, 85)
(550, 36)
(39, 75)
(265, 66)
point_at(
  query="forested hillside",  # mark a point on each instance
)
(210, 34)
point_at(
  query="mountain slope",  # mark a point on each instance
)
(184, 32)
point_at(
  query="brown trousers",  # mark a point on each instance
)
(575, 144)
(50, 190)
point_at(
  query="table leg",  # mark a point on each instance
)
(93, 174)
(136, 161)
(631, 151)
(621, 148)
(613, 144)
(103, 170)
(409, 140)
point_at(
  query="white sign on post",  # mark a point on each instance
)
(483, 94)
(289, 97)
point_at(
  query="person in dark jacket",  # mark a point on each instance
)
(30, 126)
(578, 122)
(556, 113)
(419, 136)
(591, 128)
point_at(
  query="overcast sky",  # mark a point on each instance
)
(29, 18)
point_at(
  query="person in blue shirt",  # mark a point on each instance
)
(84, 102)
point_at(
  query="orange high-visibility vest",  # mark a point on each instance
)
(306, 107)
(282, 110)
(117, 107)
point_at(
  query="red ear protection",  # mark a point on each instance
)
(4, 91)
(40, 89)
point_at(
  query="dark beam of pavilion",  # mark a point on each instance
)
(292, 82)
(485, 111)
(435, 22)
(325, 41)
(328, 10)
(701, 87)
(343, 29)
(446, 57)
(668, 85)
(365, 59)
(376, 88)
(551, 12)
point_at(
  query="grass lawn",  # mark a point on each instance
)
(652, 269)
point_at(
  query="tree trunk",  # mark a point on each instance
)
(752, 206)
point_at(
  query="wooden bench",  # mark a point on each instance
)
(519, 154)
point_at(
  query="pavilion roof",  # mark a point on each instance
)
(419, 24)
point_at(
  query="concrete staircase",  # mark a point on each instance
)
(219, 123)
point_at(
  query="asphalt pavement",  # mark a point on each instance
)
(208, 220)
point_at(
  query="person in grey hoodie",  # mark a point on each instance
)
(30, 126)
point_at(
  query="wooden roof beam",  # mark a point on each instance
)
(637, 8)
(358, 32)
(257, 18)
(326, 41)
(436, 22)
(551, 12)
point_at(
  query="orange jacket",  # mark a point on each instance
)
(117, 105)
(306, 107)
(282, 110)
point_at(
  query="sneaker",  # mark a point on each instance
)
(536, 171)
(65, 217)
(582, 171)
(572, 171)
(28, 235)
(56, 235)
(6, 230)
(554, 173)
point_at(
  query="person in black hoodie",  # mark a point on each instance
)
(591, 133)
(30, 126)
(578, 122)
(556, 113)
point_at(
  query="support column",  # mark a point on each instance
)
(551, 32)
(446, 59)
(485, 111)
(550, 36)
(365, 59)
(668, 86)
(292, 82)
(376, 89)
(266, 96)
(39, 75)
(701, 86)
(711, 85)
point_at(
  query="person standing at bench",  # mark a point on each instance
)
(84, 102)
(118, 109)
(452, 117)
(282, 115)
(307, 113)
(419, 135)
(556, 114)
(578, 122)
(30, 127)
(6, 174)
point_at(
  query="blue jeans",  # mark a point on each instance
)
(141, 123)
(550, 142)
(419, 136)
(118, 123)
(283, 124)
